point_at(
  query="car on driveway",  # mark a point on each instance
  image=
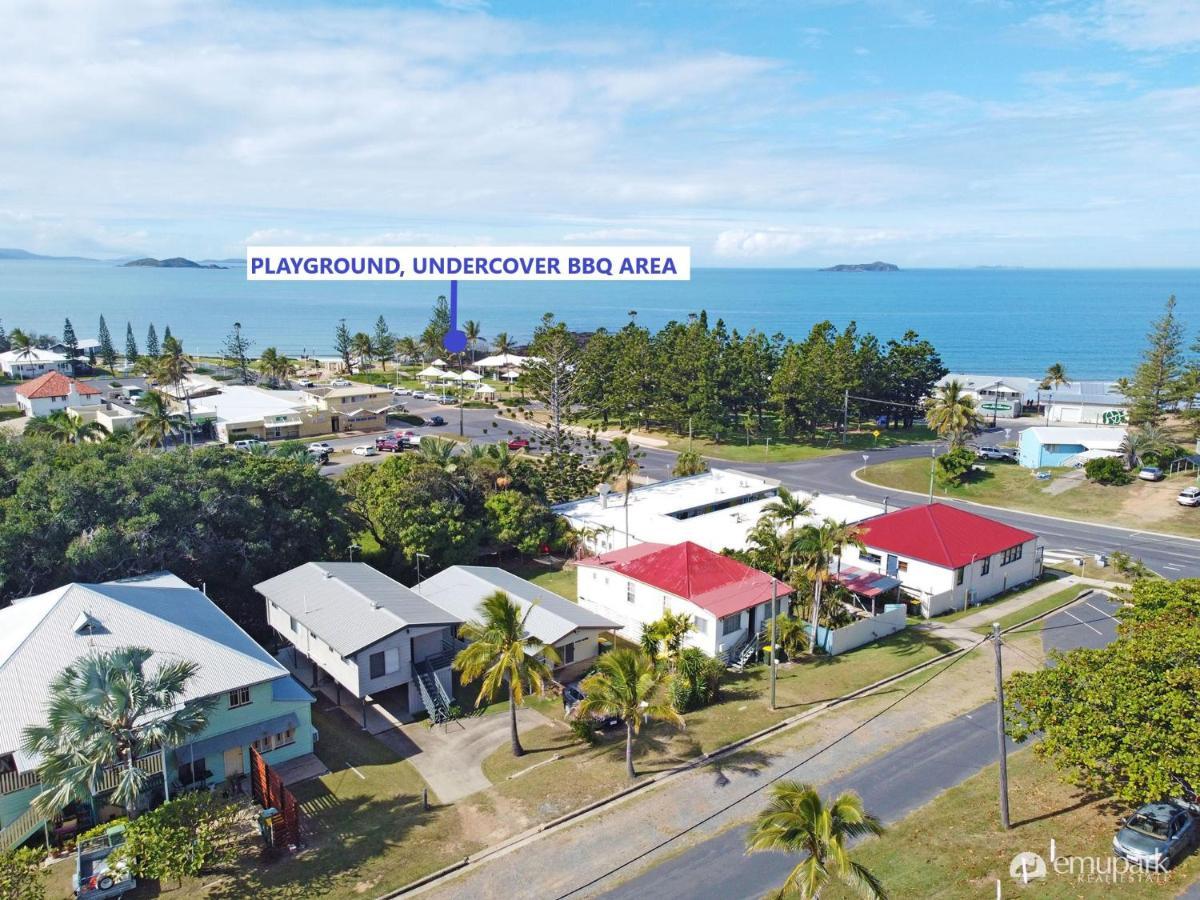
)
(1158, 835)
(339, 382)
(365, 450)
(435, 421)
(518, 443)
(991, 453)
(1189, 497)
(1151, 473)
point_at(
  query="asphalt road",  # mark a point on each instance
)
(892, 786)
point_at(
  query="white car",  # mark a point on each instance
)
(248, 444)
(365, 450)
(419, 395)
(1189, 497)
(340, 382)
(320, 447)
(400, 392)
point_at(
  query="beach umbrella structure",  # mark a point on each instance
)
(471, 376)
(441, 363)
(485, 390)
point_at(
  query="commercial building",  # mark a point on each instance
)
(353, 407)
(257, 702)
(1059, 446)
(1013, 396)
(728, 601)
(945, 558)
(995, 396)
(55, 392)
(717, 510)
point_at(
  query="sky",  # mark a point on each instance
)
(759, 132)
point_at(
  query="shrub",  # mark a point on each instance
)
(1107, 470)
(953, 466)
(21, 874)
(585, 730)
(697, 680)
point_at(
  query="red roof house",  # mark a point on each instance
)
(713, 582)
(943, 535)
(54, 384)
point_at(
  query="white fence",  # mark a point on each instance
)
(864, 631)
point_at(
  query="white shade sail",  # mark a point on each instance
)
(471, 376)
(430, 372)
(503, 359)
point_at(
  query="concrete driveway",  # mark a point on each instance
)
(450, 757)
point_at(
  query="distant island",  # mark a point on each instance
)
(863, 267)
(175, 262)
(14, 253)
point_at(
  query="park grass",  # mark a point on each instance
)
(1140, 505)
(954, 847)
(583, 773)
(782, 448)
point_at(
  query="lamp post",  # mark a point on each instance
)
(774, 635)
(419, 557)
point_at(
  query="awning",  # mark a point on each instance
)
(288, 688)
(864, 583)
(239, 737)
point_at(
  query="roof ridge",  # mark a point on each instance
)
(937, 530)
(62, 593)
(353, 590)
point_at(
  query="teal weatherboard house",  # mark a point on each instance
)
(258, 703)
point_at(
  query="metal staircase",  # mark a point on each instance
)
(433, 695)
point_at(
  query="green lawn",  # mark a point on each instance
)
(559, 579)
(734, 448)
(1142, 504)
(999, 598)
(954, 846)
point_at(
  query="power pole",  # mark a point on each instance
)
(845, 414)
(774, 626)
(932, 459)
(1003, 746)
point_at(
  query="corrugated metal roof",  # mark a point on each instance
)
(461, 589)
(349, 606)
(159, 612)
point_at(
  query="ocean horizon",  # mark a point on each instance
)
(1005, 321)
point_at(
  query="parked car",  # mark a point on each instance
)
(248, 444)
(990, 453)
(1189, 497)
(391, 444)
(321, 446)
(400, 392)
(340, 382)
(365, 450)
(320, 457)
(435, 421)
(518, 443)
(418, 395)
(305, 383)
(1151, 473)
(1158, 835)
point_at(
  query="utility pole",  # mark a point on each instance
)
(774, 626)
(932, 459)
(845, 414)
(1003, 746)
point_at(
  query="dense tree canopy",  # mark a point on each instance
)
(1126, 718)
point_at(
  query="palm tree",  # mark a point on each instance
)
(157, 423)
(1056, 377)
(618, 463)
(502, 343)
(105, 709)
(471, 330)
(952, 413)
(626, 684)
(171, 367)
(673, 629)
(21, 344)
(63, 428)
(767, 549)
(407, 349)
(1150, 440)
(363, 348)
(268, 363)
(438, 451)
(501, 654)
(797, 821)
(786, 508)
(813, 548)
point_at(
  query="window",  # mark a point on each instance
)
(986, 566)
(870, 557)
(8, 763)
(730, 624)
(629, 592)
(376, 663)
(1012, 554)
(567, 653)
(293, 625)
(239, 697)
(701, 624)
(275, 741)
(902, 566)
(958, 574)
(192, 771)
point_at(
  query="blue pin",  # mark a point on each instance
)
(455, 340)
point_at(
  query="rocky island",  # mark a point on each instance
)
(175, 262)
(863, 267)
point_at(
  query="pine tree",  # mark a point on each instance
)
(131, 347)
(1158, 382)
(108, 354)
(5, 344)
(166, 334)
(151, 341)
(71, 343)
(343, 343)
(237, 348)
(383, 342)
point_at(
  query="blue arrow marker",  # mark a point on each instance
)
(455, 340)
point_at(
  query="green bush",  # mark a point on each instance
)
(406, 418)
(585, 730)
(953, 466)
(697, 680)
(1107, 470)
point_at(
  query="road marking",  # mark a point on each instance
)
(356, 772)
(1169, 566)
(1081, 622)
(1099, 610)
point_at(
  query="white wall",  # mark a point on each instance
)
(938, 587)
(344, 671)
(866, 630)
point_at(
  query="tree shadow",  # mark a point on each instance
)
(1082, 799)
(745, 762)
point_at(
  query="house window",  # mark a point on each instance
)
(629, 592)
(293, 625)
(1012, 554)
(958, 574)
(731, 624)
(902, 566)
(8, 763)
(870, 557)
(568, 653)
(275, 741)
(192, 771)
(239, 697)
(701, 624)
(986, 566)
(377, 664)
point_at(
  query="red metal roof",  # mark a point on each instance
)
(713, 582)
(864, 583)
(54, 384)
(943, 535)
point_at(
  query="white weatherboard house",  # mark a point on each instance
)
(32, 363)
(257, 702)
(369, 633)
(727, 600)
(944, 557)
(717, 510)
(995, 395)
(571, 629)
(54, 392)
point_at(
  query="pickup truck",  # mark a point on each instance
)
(391, 444)
(94, 878)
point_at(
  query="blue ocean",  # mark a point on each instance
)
(1000, 321)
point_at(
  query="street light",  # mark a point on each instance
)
(354, 546)
(419, 557)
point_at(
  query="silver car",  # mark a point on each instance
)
(1189, 497)
(1158, 835)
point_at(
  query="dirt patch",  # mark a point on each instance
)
(1154, 501)
(490, 820)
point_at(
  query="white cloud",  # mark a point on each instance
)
(1140, 25)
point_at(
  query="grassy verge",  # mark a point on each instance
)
(954, 846)
(734, 448)
(991, 601)
(1142, 504)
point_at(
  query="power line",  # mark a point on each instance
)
(776, 778)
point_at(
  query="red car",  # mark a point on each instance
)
(518, 443)
(390, 444)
